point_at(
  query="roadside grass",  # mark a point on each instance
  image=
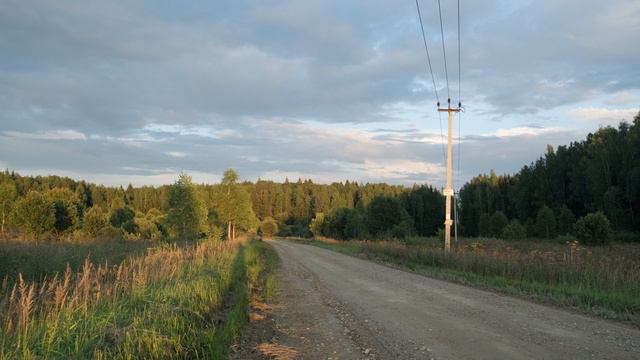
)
(604, 281)
(172, 302)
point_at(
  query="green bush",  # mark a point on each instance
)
(35, 213)
(402, 230)
(593, 229)
(269, 227)
(94, 220)
(383, 214)
(121, 216)
(514, 231)
(317, 225)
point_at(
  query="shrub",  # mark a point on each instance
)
(514, 231)
(355, 227)
(121, 216)
(36, 213)
(94, 220)
(383, 214)
(269, 227)
(317, 225)
(402, 230)
(593, 229)
(497, 223)
(147, 228)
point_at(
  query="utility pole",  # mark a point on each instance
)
(448, 191)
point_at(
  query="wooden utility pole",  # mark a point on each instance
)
(448, 191)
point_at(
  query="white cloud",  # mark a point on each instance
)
(176, 154)
(524, 131)
(604, 116)
(623, 98)
(399, 169)
(47, 135)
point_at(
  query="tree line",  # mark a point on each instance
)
(570, 187)
(53, 206)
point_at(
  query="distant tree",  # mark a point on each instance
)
(146, 227)
(613, 205)
(383, 213)
(66, 206)
(498, 222)
(546, 223)
(120, 216)
(484, 225)
(35, 213)
(565, 220)
(269, 227)
(95, 220)
(234, 206)
(8, 195)
(593, 229)
(317, 224)
(514, 231)
(335, 224)
(187, 214)
(355, 226)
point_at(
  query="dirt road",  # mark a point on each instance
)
(339, 307)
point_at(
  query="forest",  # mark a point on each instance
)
(598, 175)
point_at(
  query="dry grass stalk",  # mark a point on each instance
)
(91, 284)
(276, 351)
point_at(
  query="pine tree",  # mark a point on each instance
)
(187, 214)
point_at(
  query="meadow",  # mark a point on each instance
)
(604, 281)
(165, 301)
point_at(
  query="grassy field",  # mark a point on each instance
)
(600, 280)
(37, 259)
(168, 302)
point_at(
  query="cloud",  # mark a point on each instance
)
(604, 116)
(329, 89)
(47, 135)
(176, 154)
(522, 131)
(623, 98)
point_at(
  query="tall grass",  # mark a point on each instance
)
(170, 303)
(603, 280)
(35, 259)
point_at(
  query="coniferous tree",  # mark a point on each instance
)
(187, 214)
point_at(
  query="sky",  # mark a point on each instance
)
(119, 92)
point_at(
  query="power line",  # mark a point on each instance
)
(426, 48)
(459, 61)
(444, 52)
(433, 78)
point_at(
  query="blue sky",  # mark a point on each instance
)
(120, 92)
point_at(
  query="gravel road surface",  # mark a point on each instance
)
(335, 306)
